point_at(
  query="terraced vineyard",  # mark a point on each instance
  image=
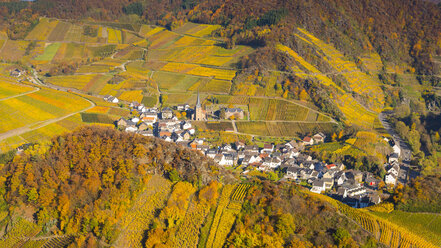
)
(189, 231)
(36, 107)
(19, 233)
(139, 217)
(283, 129)
(272, 109)
(228, 208)
(354, 112)
(10, 88)
(385, 232)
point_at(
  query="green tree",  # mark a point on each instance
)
(285, 225)
(173, 175)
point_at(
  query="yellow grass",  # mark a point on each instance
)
(130, 96)
(39, 106)
(73, 81)
(178, 67)
(42, 30)
(152, 31)
(8, 88)
(114, 36)
(214, 60)
(98, 109)
(222, 74)
(358, 81)
(189, 40)
(162, 38)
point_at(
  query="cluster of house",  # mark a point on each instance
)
(350, 186)
(110, 98)
(16, 73)
(353, 187)
(393, 167)
(158, 123)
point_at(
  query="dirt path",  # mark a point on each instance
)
(4, 44)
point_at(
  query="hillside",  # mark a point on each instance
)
(88, 190)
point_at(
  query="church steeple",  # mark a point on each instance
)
(198, 102)
(199, 113)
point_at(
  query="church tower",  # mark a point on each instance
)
(199, 114)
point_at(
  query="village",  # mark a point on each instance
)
(355, 188)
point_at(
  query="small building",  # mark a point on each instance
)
(293, 172)
(112, 99)
(16, 73)
(318, 186)
(166, 113)
(143, 126)
(319, 138)
(236, 112)
(393, 157)
(307, 140)
(268, 148)
(148, 133)
(122, 122)
(211, 153)
(355, 175)
(182, 107)
(239, 145)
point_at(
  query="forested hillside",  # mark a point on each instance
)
(400, 31)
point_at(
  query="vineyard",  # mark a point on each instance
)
(240, 192)
(218, 220)
(283, 129)
(229, 206)
(138, 218)
(384, 231)
(422, 224)
(358, 81)
(354, 112)
(20, 231)
(189, 231)
(10, 88)
(40, 106)
(271, 109)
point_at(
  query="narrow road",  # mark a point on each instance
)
(405, 174)
(406, 152)
(233, 122)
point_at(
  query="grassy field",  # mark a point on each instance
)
(73, 81)
(175, 82)
(14, 50)
(97, 118)
(49, 52)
